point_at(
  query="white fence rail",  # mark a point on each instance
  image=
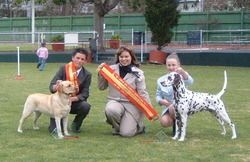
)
(132, 37)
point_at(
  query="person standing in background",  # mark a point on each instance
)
(42, 54)
(93, 48)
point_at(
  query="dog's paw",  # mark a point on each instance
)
(234, 137)
(174, 138)
(36, 128)
(60, 137)
(67, 134)
(181, 139)
(223, 133)
(20, 131)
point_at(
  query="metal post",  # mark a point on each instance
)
(201, 5)
(141, 47)
(201, 39)
(33, 21)
(132, 36)
(146, 37)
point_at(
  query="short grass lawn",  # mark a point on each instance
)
(203, 141)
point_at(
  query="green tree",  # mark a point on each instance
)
(161, 17)
(101, 8)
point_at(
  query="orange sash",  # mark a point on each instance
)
(71, 74)
(122, 86)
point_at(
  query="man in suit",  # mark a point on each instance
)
(75, 72)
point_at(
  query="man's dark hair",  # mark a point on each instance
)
(80, 50)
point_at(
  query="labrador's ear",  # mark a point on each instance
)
(59, 86)
(58, 82)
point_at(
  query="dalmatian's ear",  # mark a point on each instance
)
(177, 79)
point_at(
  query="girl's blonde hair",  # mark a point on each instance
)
(174, 55)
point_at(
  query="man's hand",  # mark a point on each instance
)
(74, 98)
(100, 66)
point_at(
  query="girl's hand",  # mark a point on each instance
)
(182, 72)
(165, 102)
(179, 70)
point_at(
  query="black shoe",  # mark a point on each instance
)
(173, 133)
(74, 128)
(115, 132)
(54, 133)
(142, 131)
(52, 125)
(76, 131)
(37, 66)
(51, 128)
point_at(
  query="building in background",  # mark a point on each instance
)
(190, 5)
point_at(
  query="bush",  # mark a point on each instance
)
(57, 38)
(116, 37)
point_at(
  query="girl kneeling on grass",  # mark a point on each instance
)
(165, 94)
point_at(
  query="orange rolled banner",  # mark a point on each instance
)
(122, 86)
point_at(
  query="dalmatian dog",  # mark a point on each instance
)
(188, 103)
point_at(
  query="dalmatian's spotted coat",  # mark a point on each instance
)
(188, 103)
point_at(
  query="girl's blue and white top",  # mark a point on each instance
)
(166, 92)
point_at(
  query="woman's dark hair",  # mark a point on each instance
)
(132, 54)
(81, 51)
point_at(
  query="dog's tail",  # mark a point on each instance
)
(224, 86)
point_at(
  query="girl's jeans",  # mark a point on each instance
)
(41, 63)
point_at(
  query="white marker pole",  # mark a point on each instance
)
(18, 61)
(18, 77)
(141, 47)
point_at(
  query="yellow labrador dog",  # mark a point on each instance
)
(56, 105)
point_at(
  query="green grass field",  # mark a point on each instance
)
(203, 142)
